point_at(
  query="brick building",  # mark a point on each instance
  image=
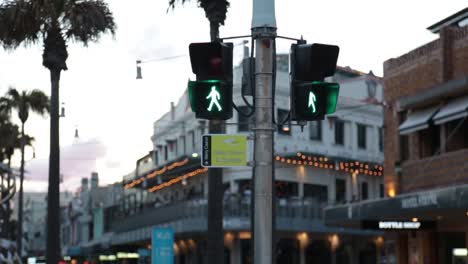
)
(426, 153)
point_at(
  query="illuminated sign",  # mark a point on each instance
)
(460, 252)
(399, 225)
(125, 255)
(395, 225)
(107, 258)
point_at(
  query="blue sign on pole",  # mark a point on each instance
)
(162, 246)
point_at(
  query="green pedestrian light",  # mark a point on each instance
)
(311, 104)
(315, 99)
(214, 98)
(211, 94)
(209, 99)
(311, 97)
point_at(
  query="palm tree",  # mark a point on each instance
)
(10, 140)
(54, 22)
(215, 11)
(35, 101)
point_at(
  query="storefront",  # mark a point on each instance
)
(415, 224)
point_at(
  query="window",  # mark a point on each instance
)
(429, 141)
(165, 152)
(340, 190)
(361, 136)
(364, 191)
(404, 148)
(457, 130)
(318, 192)
(380, 139)
(173, 148)
(381, 190)
(192, 137)
(156, 157)
(315, 130)
(339, 132)
(286, 128)
(404, 141)
(286, 189)
(243, 121)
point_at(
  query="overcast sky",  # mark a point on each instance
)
(114, 112)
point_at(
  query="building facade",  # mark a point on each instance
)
(426, 152)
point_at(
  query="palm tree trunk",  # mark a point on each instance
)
(19, 237)
(5, 215)
(53, 206)
(214, 30)
(215, 245)
(8, 206)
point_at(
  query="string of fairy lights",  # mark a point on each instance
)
(178, 179)
(326, 163)
(301, 159)
(156, 173)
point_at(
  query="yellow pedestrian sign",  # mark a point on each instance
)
(220, 150)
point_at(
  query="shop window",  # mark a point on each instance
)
(340, 190)
(364, 191)
(319, 192)
(286, 189)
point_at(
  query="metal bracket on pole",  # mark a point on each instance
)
(236, 37)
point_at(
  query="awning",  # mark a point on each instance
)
(449, 201)
(455, 109)
(418, 120)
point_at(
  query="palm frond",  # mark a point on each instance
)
(173, 3)
(13, 94)
(39, 102)
(215, 10)
(86, 21)
(5, 106)
(19, 23)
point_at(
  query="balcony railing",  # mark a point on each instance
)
(119, 220)
(436, 171)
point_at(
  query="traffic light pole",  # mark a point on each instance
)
(215, 234)
(264, 33)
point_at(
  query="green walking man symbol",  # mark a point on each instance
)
(312, 100)
(214, 96)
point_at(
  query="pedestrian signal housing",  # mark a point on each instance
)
(211, 94)
(311, 97)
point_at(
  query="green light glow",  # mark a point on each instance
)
(214, 96)
(333, 94)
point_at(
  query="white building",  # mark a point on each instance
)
(336, 160)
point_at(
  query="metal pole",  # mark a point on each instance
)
(264, 31)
